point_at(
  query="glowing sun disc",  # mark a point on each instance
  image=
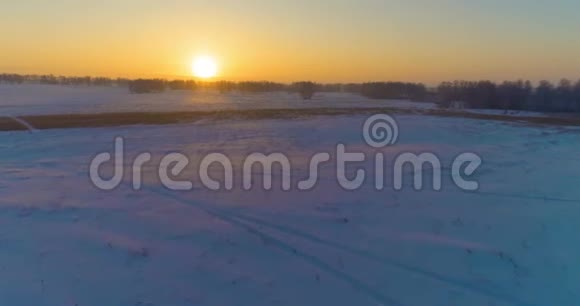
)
(204, 67)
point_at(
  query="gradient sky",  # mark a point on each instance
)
(324, 40)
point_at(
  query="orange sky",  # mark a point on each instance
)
(326, 41)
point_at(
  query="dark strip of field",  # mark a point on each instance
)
(158, 118)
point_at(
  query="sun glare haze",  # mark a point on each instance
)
(204, 67)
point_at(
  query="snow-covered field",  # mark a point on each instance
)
(64, 242)
(36, 99)
(32, 99)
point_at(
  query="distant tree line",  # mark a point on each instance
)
(389, 90)
(516, 95)
(509, 95)
(305, 89)
(512, 95)
(50, 79)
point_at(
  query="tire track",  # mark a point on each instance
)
(242, 220)
(287, 248)
(388, 262)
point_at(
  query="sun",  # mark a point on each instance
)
(204, 67)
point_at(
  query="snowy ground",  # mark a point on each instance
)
(63, 242)
(36, 99)
(30, 99)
